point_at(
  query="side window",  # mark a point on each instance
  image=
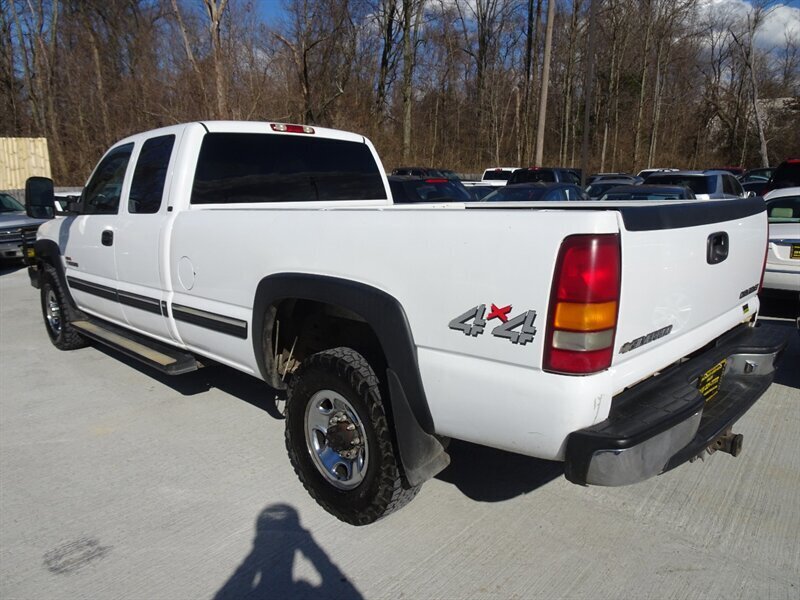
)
(571, 177)
(727, 185)
(738, 190)
(147, 187)
(101, 196)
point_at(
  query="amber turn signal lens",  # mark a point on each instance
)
(585, 317)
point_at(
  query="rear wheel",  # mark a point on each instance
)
(339, 441)
(58, 314)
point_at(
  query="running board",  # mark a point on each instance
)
(166, 359)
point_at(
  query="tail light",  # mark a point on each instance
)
(584, 304)
(764, 265)
(436, 180)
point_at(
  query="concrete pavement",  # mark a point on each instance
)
(116, 482)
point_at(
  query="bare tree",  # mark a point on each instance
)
(745, 40)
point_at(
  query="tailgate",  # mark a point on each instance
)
(690, 272)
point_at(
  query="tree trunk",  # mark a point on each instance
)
(642, 84)
(568, 87)
(412, 15)
(387, 51)
(215, 8)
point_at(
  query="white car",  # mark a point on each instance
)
(783, 256)
(497, 176)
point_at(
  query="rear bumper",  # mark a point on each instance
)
(665, 421)
(782, 278)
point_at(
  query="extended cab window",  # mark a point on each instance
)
(245, 167)
(101, 196)
(147, 187)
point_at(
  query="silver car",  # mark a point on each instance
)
(14, 225)
(705, 184)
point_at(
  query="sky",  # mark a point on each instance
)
(784, 16)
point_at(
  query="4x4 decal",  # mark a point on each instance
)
(519, 329)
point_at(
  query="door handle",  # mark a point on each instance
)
(717, 247)
(107, 238)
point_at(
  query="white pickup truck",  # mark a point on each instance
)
(619, 338)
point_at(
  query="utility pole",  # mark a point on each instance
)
(548, 42)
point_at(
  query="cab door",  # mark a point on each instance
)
(143, 227)
(87, 243)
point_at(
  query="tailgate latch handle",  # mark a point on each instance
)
(717, 247)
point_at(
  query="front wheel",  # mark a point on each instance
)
(57, 313)
(339, 441)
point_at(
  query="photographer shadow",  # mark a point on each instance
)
(267, 571)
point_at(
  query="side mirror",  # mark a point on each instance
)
(39, 199)
(750, 194)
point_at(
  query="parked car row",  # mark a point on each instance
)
(437, 185)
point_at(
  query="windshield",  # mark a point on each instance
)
(644, 196)
(8, 204)
(699, 184)
(598, 189)
(436, 190)
(516, 194)
(784, 210)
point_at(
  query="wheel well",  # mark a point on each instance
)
(294, 329)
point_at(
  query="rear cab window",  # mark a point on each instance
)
(699, 184)
(496, 175)
(784, 210)
(533, 176)
(265, 168)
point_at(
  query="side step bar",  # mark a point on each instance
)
(162, 357)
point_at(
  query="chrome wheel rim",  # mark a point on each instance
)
(52, 312)
(336, 439)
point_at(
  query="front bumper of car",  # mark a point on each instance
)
(12, 241)
(664, 421)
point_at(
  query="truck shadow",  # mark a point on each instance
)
(8, 266)
(488, 475)
(267, 572)
(482, 474)
(777, 304)
(781, 309)
(228, 380)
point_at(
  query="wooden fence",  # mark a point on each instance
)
(21, 158)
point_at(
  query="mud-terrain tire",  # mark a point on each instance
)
(57, 313)
(334, 406)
